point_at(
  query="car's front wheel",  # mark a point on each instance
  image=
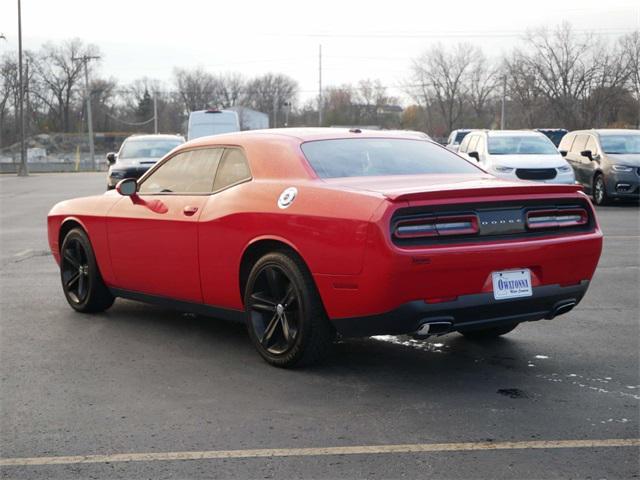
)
(285, 316)
(600, 196)
(81, 280)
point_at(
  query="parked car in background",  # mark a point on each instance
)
(456, 137)
(517, 154)
(137, 154)
(212, 122)
(414, 133)
(606, 162)
(305, 233)
(554, 134)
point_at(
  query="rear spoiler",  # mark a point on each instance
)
(539, 189)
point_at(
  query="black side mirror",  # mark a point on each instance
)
(587, 153)
(111, 157)
(127, 187)
(475, 155)
(563, 153)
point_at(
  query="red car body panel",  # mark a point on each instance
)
(340, 228)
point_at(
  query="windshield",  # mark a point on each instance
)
(148, 148)
(623, 144)
(555, 135)
(520, 145)
(362, 157)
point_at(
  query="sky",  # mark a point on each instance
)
(360, 39)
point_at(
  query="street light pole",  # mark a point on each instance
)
(504, 98)
(22, 169)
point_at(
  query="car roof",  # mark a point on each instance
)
(298, 135)
(161, 136)
(513, 133)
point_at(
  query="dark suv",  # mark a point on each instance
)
(606, 162)
(138, 154)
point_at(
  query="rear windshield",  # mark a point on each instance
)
(623, 144)
(148, 148)
(459, 137)
(521, 145)
(363, 157)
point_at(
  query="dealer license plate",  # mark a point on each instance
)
(512, 284)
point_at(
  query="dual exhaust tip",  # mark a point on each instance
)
(441, 326)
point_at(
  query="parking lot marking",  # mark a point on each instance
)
(321, 451)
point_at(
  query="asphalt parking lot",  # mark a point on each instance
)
(556, 399)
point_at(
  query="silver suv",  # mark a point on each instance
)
(606, 162)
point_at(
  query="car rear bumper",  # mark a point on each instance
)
(466, 313)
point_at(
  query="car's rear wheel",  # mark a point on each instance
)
(487, 333)
(81, 280)
(600, 196)
(285, 316)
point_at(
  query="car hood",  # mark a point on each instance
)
(418, 187)
(134, 162)
(529, 161)
(630, 159)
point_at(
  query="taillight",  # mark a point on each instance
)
(539, 219)
(436, 226)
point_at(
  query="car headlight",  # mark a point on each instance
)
(501, 169)
(564, 169)
(622, 168)
(117, 174)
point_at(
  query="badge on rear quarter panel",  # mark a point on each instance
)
(287, 197)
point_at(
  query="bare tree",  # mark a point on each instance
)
(442, 74)
(231, 89)
(196, 88)
(630, 45)
(524, 89)
(268, 92)
(482, 82)
(563, 64)
(59, 74)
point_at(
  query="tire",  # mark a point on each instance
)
(599, 190)
(284, 313)
(488, 333)
(81, 280)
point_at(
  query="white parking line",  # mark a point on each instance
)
(321, 451)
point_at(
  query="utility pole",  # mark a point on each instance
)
(275, 111)
(85, 59)
(155, 113)
(22, 170)
(504, 97)
(320, 86)
(287, 106)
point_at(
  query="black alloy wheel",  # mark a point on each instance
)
(82, 283)
(75, 271)
(285, 316)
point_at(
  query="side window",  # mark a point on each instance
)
(592, 145)
(472, 144)
(464, 144)
(481, 144)
(565, 143)
(188, 172)
(579, 144)
(233, 168)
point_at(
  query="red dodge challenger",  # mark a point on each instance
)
(308, 233)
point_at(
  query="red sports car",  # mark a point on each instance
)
(305, 233)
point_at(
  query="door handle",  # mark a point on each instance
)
(189, 211)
